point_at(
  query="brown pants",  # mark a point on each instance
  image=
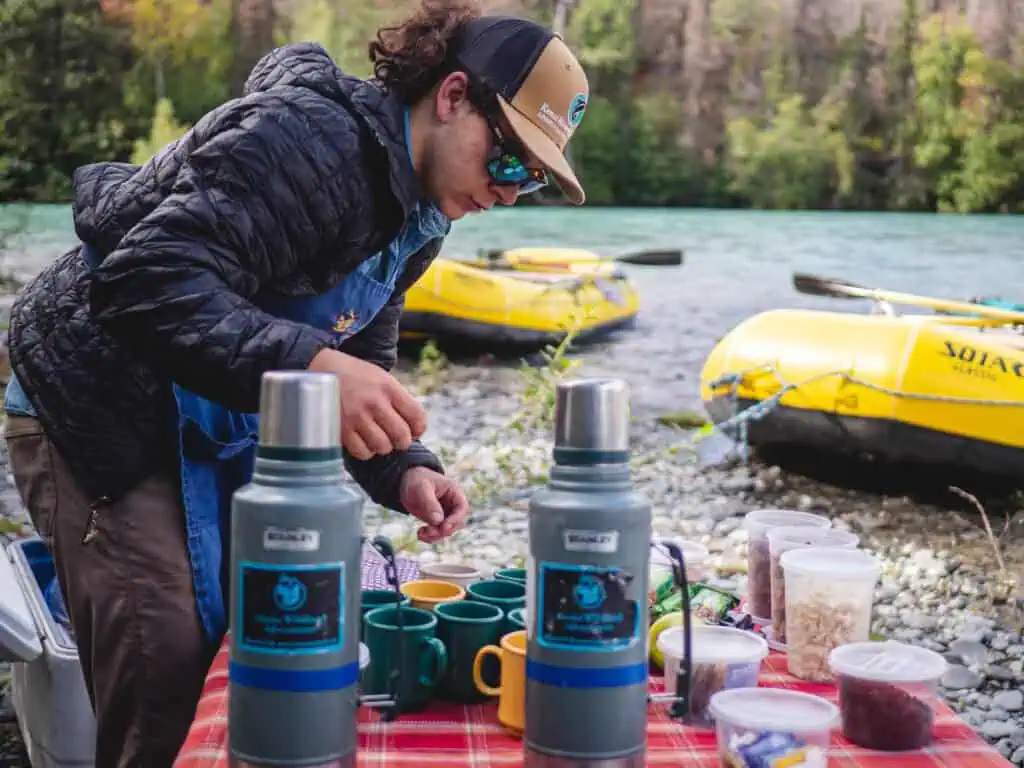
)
(129, 593)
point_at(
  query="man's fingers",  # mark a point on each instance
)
(374, 437)
(457, 510)
(355, 445)
(410, 410)
(394, 426)
(428, 534)
(425, 504)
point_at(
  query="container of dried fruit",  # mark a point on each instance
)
(773, 726)
(759, 585)
(787, 537)
(829, 597)
(887, 693)
(721, 658)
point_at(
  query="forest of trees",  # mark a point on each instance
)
(786, 104)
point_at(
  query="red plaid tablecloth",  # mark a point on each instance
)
(457, 736)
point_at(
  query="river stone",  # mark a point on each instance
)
(970, 651)
(998, 729)
(959, 677)
(1011, 701)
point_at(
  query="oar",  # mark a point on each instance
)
(669, 258)
(814, 285)
(650, 258)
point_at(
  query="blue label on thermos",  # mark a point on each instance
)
(585, 607)
(291, 608)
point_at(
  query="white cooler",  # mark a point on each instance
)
(49, 696)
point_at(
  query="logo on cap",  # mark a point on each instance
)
(577, 107)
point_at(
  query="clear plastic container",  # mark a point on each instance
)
(772, 726)
(759, 561)
(785, 538)
(829, 597)
(722, 658)
(887, 693)
(695, 555)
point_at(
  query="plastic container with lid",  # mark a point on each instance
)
(772, 726)
(829, 597)
(722, 658)
(695, 555)
(787, 537)
(887, 693)
(757, 523)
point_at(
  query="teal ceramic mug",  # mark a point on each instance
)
(507, 595)
(411, 651)
(511, 574)
(516, 619)
(465, 627)
(377, 598)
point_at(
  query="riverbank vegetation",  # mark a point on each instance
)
(781, 104)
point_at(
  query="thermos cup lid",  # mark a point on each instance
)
(591, 421)
(299, 409)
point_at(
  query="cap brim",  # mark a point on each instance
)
(545, 150)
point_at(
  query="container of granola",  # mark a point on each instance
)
(829, 597)
(787, 537)
(759, 565)
(887, 693)
(721, 658)
(772, 726)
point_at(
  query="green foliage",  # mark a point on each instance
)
(62, 64)
(790, 113)
(185, 55)
(164, 130)
(792, 161)
(970, 109)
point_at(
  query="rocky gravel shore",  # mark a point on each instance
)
(940, 586)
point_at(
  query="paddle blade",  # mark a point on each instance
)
(814, 285)
(669, 258)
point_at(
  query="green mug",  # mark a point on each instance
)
(511, 574)
(465, 627)
(507, 595)
(517, 619)
(376, 598)
(411, 654)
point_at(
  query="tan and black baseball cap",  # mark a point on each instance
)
(541, 86)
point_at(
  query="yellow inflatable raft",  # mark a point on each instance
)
(921, 389)
(457, 302)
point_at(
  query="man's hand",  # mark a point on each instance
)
(435, 499)
(378, 415)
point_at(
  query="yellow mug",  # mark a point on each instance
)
(512, 689)
(427, 593)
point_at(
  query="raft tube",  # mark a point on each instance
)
(456, 302)
(911, 389)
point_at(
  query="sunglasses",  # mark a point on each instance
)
(506, 167)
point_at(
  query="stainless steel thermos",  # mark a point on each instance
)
(296, 533)
(587, 613)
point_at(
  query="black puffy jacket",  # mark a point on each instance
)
(286, 190)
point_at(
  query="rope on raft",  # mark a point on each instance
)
(742, 419)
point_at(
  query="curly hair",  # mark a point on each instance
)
(411, 57)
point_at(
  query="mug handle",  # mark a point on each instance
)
(439, 658)
(478, 663)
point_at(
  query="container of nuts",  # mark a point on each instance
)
(787, 537)
(829, 597)
(759, 585)
(887, 693)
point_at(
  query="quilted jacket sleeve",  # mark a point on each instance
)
(378, 343)
(261, 195)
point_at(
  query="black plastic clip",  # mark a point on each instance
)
(390, 703)
(681, 701)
